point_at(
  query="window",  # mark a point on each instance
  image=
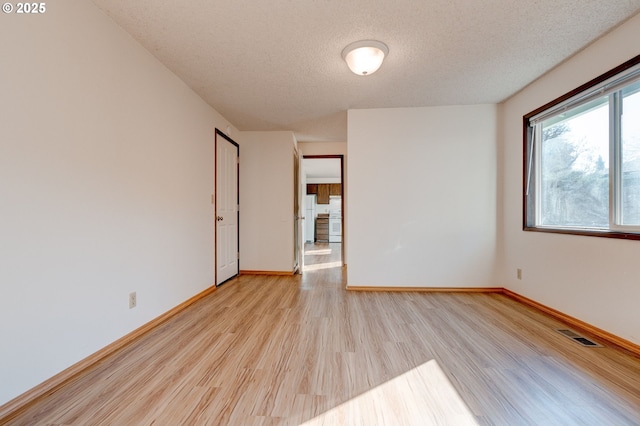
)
(582, 159)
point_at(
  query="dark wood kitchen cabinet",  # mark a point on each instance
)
(323, 194)
(322, 228)
(312, 188)
(324, 190)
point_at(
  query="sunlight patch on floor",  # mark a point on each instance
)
(318, 266)
(319, 251)
(421, 396)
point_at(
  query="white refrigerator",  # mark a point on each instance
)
(310, 218)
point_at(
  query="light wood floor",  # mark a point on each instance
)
(289, 350)
(322, 256)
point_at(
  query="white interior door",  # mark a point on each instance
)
(226, 208)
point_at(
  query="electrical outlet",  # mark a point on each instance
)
(519, 273)
(133, 300)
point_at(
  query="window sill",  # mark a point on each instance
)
(585, 233)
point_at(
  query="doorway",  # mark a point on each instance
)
(323, 207)
(227, 236)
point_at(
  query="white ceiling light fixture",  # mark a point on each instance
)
(365, 57)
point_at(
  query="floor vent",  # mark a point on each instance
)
(578, 338)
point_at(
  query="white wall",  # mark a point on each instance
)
(106, 176)
(592, 279)
(422, 197)
(266, 201)
(324, 180)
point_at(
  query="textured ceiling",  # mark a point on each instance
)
(277, 65)
(317, 168)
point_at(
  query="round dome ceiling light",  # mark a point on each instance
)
(365, 57)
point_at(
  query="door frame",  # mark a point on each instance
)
(218, 132)
(341, 157)
(298, 214)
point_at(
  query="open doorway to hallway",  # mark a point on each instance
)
(323, 206)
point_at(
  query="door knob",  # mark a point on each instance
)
(219, 218)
